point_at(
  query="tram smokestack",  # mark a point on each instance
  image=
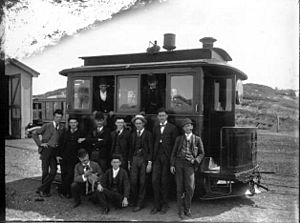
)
(207, 42)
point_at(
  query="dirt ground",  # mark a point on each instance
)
(277, 152)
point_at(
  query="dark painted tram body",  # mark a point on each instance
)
(197, 83)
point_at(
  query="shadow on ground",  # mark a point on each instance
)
(21, 205)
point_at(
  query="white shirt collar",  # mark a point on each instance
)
(103, 95)
(88, 164)
(188, 136)
(73, 130)
(120, 132)
(115, 172)
(164, 123)
(141, 131)
(100, 128)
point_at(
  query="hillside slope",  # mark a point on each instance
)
(263, 106)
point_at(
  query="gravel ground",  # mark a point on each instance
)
(277, 152)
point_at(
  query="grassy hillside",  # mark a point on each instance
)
(262, 106)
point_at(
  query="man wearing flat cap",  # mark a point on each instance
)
(140, 160)
(103, 99)
(187, 154)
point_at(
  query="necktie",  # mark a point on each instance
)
(139, 132)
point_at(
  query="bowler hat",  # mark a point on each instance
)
(151, 78)
(141, 117)
(99, 115)
(186, 121)
(102, 81)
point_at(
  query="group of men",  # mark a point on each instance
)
(85, 158)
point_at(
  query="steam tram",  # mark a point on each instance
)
(198, 84)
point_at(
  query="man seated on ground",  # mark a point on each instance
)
(86, 176)
(114, 186)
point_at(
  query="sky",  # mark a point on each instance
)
(261, 36)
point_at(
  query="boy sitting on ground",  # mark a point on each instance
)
(114, 186)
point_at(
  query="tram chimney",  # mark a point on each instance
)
(169, 41)
(207, 42)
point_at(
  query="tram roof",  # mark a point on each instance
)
(214, 59)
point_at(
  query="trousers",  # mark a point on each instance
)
(138, 180)
(185, 184)
(160, 181)
(49, 168)
(107, 196)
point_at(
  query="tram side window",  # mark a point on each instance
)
(223, 95)
(127, 100)
(81, 95)
(181, 93)
(103, 94)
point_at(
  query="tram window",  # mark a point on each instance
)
(181, 92)
(223, 95)
(127, 94)
(153, 87)
(103, 94)
(81, 97)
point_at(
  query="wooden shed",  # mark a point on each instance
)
(20, 96)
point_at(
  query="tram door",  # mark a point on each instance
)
(218, 111)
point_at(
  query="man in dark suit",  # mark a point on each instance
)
(187, 155)
(140, 160)
(152, 96)
(114, 186)
(72, 139)
(164, 136)
(103, 99)
(87, 176)
(51, 133)
(99, 142)
(120, 141)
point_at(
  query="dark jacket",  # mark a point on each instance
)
(197, 149)
(79, 171)
(103, 106)
(147, 145)
(122, 181)
(123, 141)
(99, 141)
(152, 100)
(168, 138)
(69, 147)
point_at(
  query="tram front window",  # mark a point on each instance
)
(181, 93)
(81, 95)
(127, 94)
(223, 95)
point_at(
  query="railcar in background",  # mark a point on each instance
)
(198, 84)
(43, 109)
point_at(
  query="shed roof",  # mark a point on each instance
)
(22, 66)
